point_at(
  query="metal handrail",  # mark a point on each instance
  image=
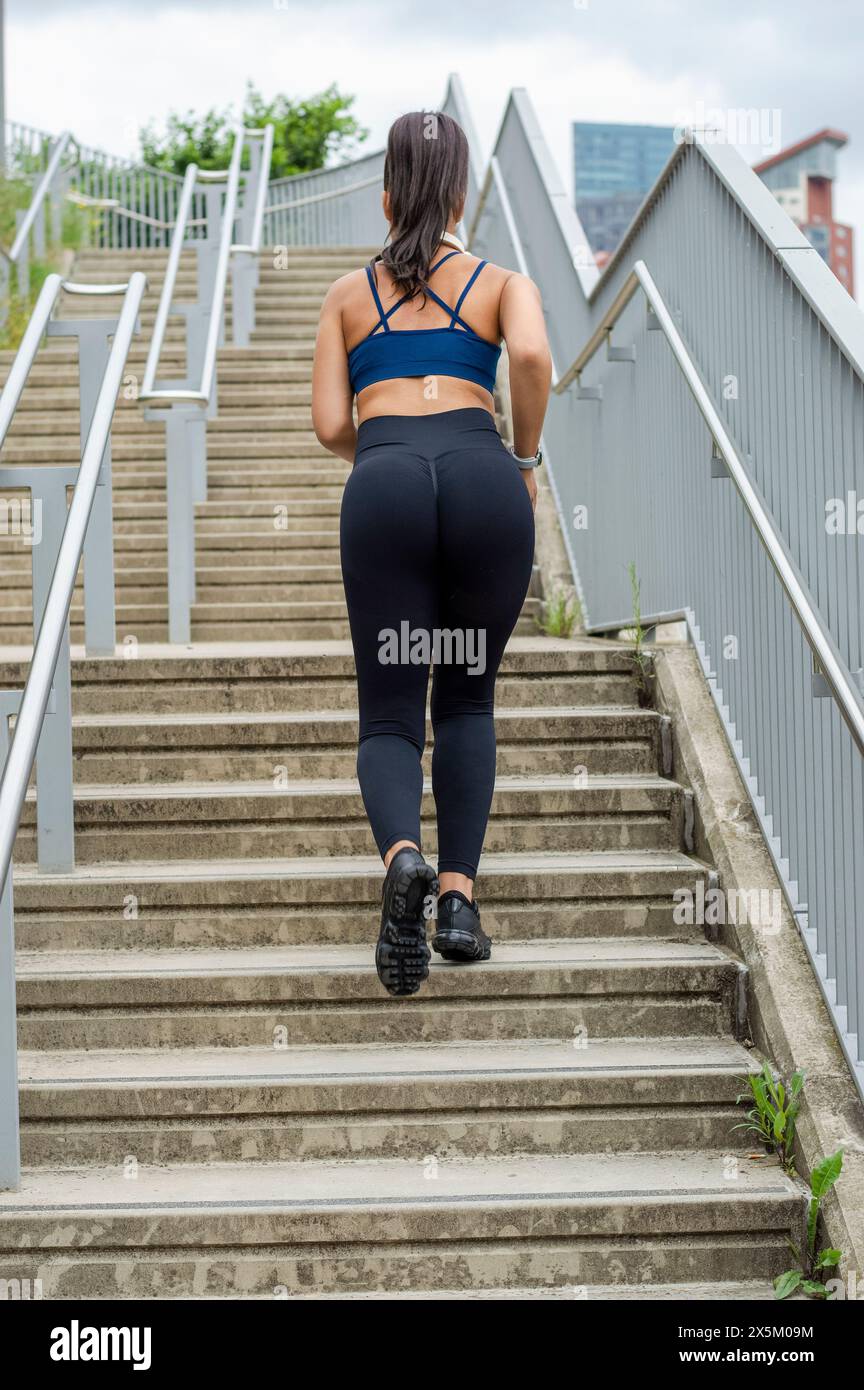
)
(837, 675)
(39, 195)
(165, 298)
(231, 177)
(254, 243)
(83, 200)
(27, 349)
(322, 197)
(37, 691)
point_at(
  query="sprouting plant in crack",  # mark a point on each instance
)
(774, 1111)
(642, 663)
(562, 612)
(809, 1277)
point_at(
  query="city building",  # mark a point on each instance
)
(614, 167)
(801, 179)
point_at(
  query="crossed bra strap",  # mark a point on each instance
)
(383, 315)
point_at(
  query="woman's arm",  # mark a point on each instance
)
(524, 331)
(332, 397)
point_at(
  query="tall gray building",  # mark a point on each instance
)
(614, 167)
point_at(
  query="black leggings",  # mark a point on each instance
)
(437, 544)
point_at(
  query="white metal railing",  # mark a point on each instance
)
(161, 224)
(755, 378)
(185, 406)
(48, 193)
(328, 207)
(48, 678)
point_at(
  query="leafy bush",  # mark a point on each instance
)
(307, 133)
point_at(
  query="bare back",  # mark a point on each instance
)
(480, 309)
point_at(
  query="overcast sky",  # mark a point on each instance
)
(103, 68)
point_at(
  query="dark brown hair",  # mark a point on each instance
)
(426, 175)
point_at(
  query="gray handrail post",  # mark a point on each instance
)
(55, 831)
(58, 200)
(185, 443)
(94, 346)
(10, 1149)
(244, 283)
(245, 258)
(22, 263)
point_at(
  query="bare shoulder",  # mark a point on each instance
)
(519, 285)
(344, 290)
(498, 272)
(512, 287)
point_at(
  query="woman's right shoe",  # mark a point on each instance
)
(402, 956)
(459, 935)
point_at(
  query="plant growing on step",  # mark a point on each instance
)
(561, 613)
(642, 663)
(810, 1276)
(774, 1113)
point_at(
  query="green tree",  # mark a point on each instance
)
(307, 133)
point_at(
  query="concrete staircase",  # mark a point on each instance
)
(218, 1098)
(268, 535)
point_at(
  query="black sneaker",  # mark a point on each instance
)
(459, 935)
(402, 956)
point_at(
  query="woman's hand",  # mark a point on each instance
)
(530, 477)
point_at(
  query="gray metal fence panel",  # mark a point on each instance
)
(330, 207)
(780, 349)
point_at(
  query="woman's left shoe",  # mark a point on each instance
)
(402, 956)
(459, 935)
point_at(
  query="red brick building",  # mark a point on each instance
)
(801, 179)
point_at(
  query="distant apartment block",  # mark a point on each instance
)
(614, 167)
(801, 179)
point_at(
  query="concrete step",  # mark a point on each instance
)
(267, 419)
(314, 995)
(216, 623)
(268, 676)
(62, 400)
(395, 1224)
(551, 897)
(286, 816)
(454, 1100)
(719, 1291)
(33, 449)
(150, 584)
(307, 743)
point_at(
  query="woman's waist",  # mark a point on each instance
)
(430, 425)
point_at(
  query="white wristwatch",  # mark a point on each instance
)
(533, 462)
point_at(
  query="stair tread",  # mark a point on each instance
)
(343, 1062)
(322, 648)
(337, 716)
(293, 959)
(350, 866)
(739, 1292)
(297, 786)
(575, 1179)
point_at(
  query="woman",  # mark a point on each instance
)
(437, 526)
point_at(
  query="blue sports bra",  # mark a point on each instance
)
(399, 352)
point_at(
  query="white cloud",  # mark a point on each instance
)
(107, 67)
